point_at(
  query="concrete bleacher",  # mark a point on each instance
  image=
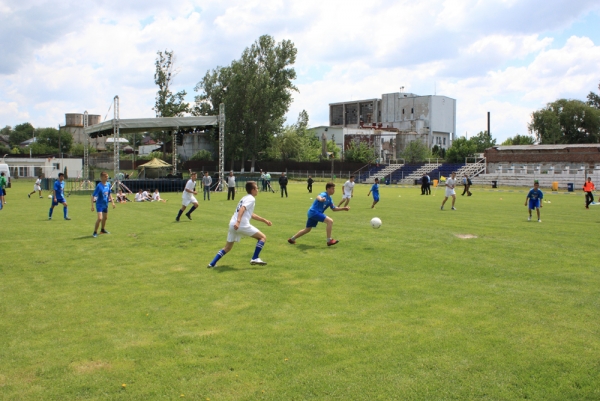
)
(524, 175)
(368, 176)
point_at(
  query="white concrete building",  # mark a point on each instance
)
(47, 167)
(431, 118)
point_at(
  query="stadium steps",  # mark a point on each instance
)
(418, 173)
(387, 170)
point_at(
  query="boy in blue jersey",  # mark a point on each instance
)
(316, 215)
(535, 197)
(102, 196)
(375, 190)
(58, 196)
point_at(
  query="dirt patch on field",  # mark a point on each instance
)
(90, 366)
(465, 236)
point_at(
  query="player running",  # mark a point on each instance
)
(188, 197)
(239, 226)
(58, 196)
(375, 191)
(37, 187)
(102, 196)
(316, 215)
(347, 191)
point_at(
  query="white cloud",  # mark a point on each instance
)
(491, 56)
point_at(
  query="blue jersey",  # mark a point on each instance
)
(535, 194)
(59, 189)
(101, 194)
(320, 207)
(375, 190)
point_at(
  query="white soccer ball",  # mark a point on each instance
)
(49, 196)
(375, 222)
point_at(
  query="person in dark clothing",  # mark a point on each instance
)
(283, 181)
(467, 185)
(309, 182)
(424, 182)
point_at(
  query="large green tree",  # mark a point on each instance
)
(49, 139)
(20, 133)
(482, 141)
(167, 103)
(257, 92)
(415, 151)
(519, 140)
(360, 153)
(461, 148)
(594, 99)
(566, 121)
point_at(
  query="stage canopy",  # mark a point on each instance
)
(130, 126)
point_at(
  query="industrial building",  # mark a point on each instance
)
(430, 118)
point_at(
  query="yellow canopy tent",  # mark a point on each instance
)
(155, 168)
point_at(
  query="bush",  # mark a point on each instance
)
(202, 155)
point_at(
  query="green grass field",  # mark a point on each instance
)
(410, 311)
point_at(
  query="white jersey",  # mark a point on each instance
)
(231, 182)
(191, 185)
(248, 201)
(450, 183)
(139, 197)
(145, 195)
(38, 185)
(348, 187)
(156, 196)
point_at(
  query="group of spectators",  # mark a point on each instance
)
(141, 196)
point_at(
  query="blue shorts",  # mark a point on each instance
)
(376, 198)
(315, 219)
(103, 209)
(58, 200)
(534, 203)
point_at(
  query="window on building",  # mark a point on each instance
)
(23, 172)
(412, 111)
(56, 166)
(444, 141)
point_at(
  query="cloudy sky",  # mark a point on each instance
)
(509, 57)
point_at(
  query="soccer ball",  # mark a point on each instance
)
(49, 196)
(375, 222)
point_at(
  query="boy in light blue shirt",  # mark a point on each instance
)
(535, 197)
(375, 191)
(58, 196)
(102, 196)
(316, 215)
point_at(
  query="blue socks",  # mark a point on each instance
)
(65, 214)
(259, 247)
(50, 213)
(219, 255)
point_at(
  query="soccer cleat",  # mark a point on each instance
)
(95, 235)
(332, 242)
(291, 241)
(210, 266)
(103, 231)
(453, 208)
(67, 218)
(29, 196)
(176, 218)
(539, 221)
(258, 261)
(188, 216)
(441, 207)
(529, 218)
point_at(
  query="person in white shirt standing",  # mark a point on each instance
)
(347, 191)
(450, 184)
(37, 187)
(239, 226)
(231, 186)
(206, 182)
(188, 197)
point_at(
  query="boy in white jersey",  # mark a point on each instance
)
(37, 187)
(347, 191)
(450, 184)
(188, 197)
(239, 226)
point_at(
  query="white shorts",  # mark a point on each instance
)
(37, 187)
(346, 196)
(450, 192)
(186, 201)
(243, 231)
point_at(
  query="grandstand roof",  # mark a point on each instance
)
(546, 147)
(129, 126)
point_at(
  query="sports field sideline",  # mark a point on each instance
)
(476, 303)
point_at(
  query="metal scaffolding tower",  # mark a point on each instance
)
(86, 149)
(174, 143)
(116, 137)
(221, 142)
